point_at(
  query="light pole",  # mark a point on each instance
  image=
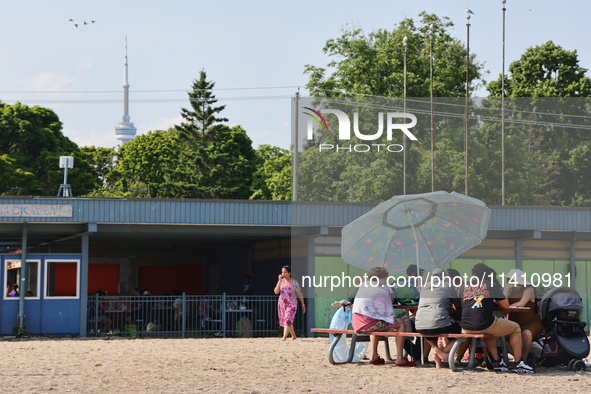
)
(431, 68)
(468, 12)
(404, 137)
(503, 115)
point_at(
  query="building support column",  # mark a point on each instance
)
(23, 285)
(309, 295)
(84, 285)
(519, 254)
(573, 267)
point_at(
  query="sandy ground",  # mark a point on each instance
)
(261, 365)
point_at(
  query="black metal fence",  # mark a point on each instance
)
(187, 316)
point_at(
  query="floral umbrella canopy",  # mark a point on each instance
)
(428, 230)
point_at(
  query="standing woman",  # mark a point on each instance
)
(288, 303)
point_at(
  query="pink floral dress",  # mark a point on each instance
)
(288, 303)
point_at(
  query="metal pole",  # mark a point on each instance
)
(467, 90)
(24, 281)
(224, 314)
(84, 287)
(432, 143)
(503, 116)
(294, 170)
(184, 316)
(404, 136)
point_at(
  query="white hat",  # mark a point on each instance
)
(518, 276)
(438, 272)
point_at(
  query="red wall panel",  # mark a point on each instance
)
(103, 277)
(65, 279)
(158, 279)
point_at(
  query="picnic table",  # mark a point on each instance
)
(477, 339)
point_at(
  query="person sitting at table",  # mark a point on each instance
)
(521, 293)
(100, 317)
(137, 309)
(29, 294)
(433, 314)
(373, 311)
(478, 318)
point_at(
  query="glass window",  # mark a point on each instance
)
(62, 278)
(13, 275)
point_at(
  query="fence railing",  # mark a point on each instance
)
(187, 316)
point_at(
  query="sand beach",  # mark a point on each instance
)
(233, 365)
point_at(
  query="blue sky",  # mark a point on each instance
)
(241, 44)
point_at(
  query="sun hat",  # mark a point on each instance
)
(438, 272)
(518, 276)
(147, 293)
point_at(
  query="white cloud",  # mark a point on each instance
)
(48, 81)
(159, 124)
(84, 65)
(285, 124)
(93, 137)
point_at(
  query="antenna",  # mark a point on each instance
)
(65, 163)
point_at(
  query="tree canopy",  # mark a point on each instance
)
(31, 142)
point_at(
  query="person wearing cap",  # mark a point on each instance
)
(521, 293)
(433, 317)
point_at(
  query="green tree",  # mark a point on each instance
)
(144, 160)
(553, 82)
(102, 159)
(373, 64)
(272, 179)
(547, 70)
(31, 142)
(203, 113)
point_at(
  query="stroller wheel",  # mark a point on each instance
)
(571, 364)
(579, 365)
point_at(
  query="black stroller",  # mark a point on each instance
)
(565, 341)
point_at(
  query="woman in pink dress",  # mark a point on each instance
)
(288, 303)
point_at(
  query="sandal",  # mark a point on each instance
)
(378, 361)
(405, 363)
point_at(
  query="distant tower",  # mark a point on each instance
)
(125, 130)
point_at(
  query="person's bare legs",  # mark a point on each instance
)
(439, 354)
(526, 339)
(491, 345)
(374, 340)
(285, 333)
(399, 340)
(462, 350)
(293, 335)
(516, 344)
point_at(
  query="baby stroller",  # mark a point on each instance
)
(565, 341)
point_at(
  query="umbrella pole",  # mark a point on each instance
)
(412, 225)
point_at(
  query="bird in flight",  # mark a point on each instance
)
(92, 21)
(71, 20)
(469, 11)
(76, 25)
(85, 23)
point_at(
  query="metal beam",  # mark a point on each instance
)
(23, 285)
(84, 285)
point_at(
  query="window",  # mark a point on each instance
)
(62, 278)
(12, 273)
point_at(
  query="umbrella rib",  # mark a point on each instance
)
(457, 225)
(428, 247)
(364, 235)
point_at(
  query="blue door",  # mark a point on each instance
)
(52, 299)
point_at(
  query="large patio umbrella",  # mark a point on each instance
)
(428, 230)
